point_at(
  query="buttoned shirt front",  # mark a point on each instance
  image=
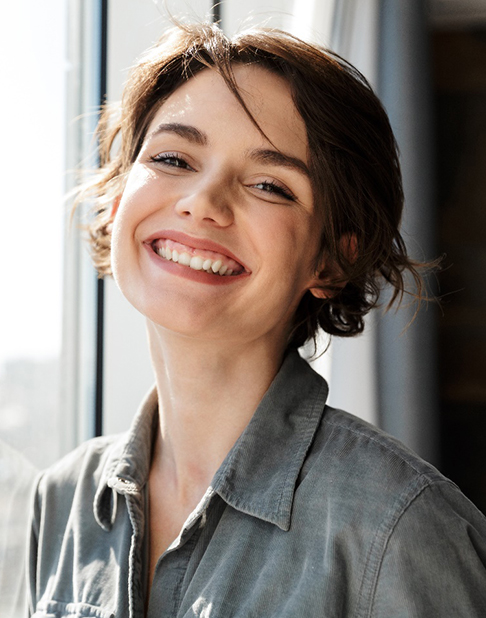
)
(312, 513)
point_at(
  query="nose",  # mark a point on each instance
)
(207, 201)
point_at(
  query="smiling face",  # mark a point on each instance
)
(215, 235)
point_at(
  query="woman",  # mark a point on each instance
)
(254, 195)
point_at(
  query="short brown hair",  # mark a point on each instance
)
(354, 164)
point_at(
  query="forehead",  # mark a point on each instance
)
(206, 101)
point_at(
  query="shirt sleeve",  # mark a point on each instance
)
(32, 550)
(434, 560)
(16, 483)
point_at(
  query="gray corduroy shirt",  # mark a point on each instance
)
(313, 513)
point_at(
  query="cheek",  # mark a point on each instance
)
(140, 193)
(138, 177)
(123, 242)
(117, 255)
(118, 238)
(138, 200)
(294, 241)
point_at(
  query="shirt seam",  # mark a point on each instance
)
(388, 447)
(382, 538)
(73, 608)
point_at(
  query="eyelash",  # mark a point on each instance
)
(166, 158)
(273, 187)
(172, 159)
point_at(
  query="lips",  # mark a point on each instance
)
(196, 254)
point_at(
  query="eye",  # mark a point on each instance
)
(171, 159)
(274, 188)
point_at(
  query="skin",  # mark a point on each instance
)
(210, 342)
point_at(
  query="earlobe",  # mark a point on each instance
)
(318, 286)
(319, 293)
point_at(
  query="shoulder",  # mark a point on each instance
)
(73, 508)
(359, 452)
(362, 479)
(64, 498)
(78, 472)
(89, 456)
(411, 530)
(352, 457)
(367, 456)
(368, 481)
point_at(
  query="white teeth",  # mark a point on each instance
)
(184, 259)
(216, 266)
(196, 262)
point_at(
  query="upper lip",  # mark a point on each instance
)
(205, 244)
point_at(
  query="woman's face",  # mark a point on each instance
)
(209, 194)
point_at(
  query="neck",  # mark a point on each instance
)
(208, 392)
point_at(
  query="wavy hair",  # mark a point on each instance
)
(354, 165)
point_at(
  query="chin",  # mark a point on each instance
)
(185, 321)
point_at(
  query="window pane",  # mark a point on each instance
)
(31, 230)
(32, 52)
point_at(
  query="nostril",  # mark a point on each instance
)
(186, 213)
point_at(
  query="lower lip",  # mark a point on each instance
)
(189, 273)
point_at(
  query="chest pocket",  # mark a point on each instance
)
(57, 609)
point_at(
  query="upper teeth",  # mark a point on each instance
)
(195, 262)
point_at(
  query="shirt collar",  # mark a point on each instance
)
(259, 474)
(127, 468)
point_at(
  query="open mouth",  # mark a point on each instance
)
(198, 259)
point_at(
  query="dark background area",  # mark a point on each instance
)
(459, 68)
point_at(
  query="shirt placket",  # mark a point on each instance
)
(135, 507)
(168, 585)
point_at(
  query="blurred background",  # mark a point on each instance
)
(73, 357)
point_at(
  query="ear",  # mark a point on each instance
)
(114, 208)
(330, 276)
(320, 293)
(326, 282)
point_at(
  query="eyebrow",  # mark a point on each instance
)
(183, 130)
(275, 157)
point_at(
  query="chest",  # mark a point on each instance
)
(225, 564)
(233, 566)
